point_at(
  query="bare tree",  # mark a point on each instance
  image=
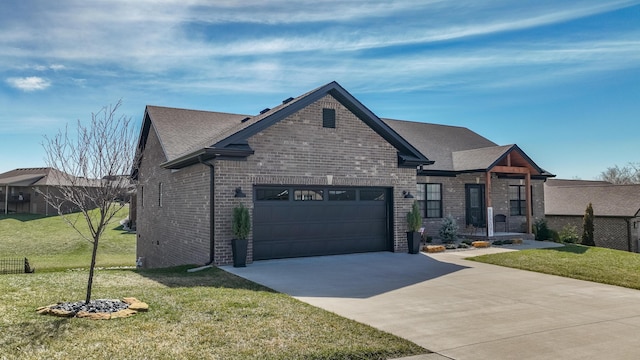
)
(90, 170)
(629, 174)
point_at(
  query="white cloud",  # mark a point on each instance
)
(31, 83)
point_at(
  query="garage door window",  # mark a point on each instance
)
(273, 194)
(373, 194)
(342, 195)
(308, 195)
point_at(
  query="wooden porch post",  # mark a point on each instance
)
(528, 184)
(6, 199)
(487, 194)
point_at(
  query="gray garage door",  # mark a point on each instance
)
(309, 221)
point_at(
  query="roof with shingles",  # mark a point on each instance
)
(439, 142)
(187, 136)
(182, 131)
(607, 200)
(45, 176)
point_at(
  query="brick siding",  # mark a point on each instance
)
(295, 151)
(454, 200)
(608, 232)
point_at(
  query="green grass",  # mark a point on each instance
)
(51, 244)
(596, 264)
(209, 314)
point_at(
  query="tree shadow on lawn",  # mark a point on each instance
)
(23, 217)
(570, 248)
(176, 277)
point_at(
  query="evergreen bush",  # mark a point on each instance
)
(448, 230)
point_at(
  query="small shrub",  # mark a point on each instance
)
(414, 219)
(464, 246)
(541, 230)
(507, 242)
(588, 227)
(448, 230)
(554, 235)
(497, 242)
(450, 246)
(467, 242)
(569, 234)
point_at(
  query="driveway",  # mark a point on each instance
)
(462, 309)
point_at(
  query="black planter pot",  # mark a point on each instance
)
(239, 249)
(413, 241)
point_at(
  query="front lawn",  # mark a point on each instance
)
(596, 264)
(209, 314)
(51, 244)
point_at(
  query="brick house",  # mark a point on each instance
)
(19, 190)
(321, 174)
(616, 210)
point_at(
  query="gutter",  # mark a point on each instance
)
(212, 203)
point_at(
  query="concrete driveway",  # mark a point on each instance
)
(462, 309)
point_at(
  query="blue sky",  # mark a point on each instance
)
(559, 78)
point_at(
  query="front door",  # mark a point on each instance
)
(475, 206)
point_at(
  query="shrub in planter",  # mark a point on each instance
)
(414, 223)
(241, 226)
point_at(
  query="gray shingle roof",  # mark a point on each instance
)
(32, 177)
(439, 142)
(182, 131)
(478, 159)
(607, 199)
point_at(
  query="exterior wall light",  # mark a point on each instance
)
(407, 194)
(239, 193)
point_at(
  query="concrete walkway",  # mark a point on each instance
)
(462, 309)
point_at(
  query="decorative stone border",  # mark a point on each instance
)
(134, 306)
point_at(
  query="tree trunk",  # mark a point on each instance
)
(91, 268)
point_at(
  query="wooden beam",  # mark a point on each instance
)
(487, 195)
(511, 170)
(529, 203)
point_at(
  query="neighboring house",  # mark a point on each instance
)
(321, 174)
(616, 209)
(19, 190)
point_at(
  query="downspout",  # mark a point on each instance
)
(629, 246)
(211, 210)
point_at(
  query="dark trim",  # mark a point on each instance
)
(409, 154)
(239, 152)
(212, 203)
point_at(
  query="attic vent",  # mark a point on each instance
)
(329, 118)
(264, 111)
(245, 119)
(286, 101)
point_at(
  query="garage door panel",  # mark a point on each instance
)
(310, 228)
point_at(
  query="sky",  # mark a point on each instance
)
(559, 78)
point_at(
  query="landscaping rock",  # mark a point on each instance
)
(101, 309)
(481, 244)
(433, 248)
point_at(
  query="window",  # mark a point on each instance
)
(329, 118)
(433, 194)
(342, 195)
(517, 200)
(429, 197)
(372, 195)
(160, 194)
(308, 195)
(272, 194)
